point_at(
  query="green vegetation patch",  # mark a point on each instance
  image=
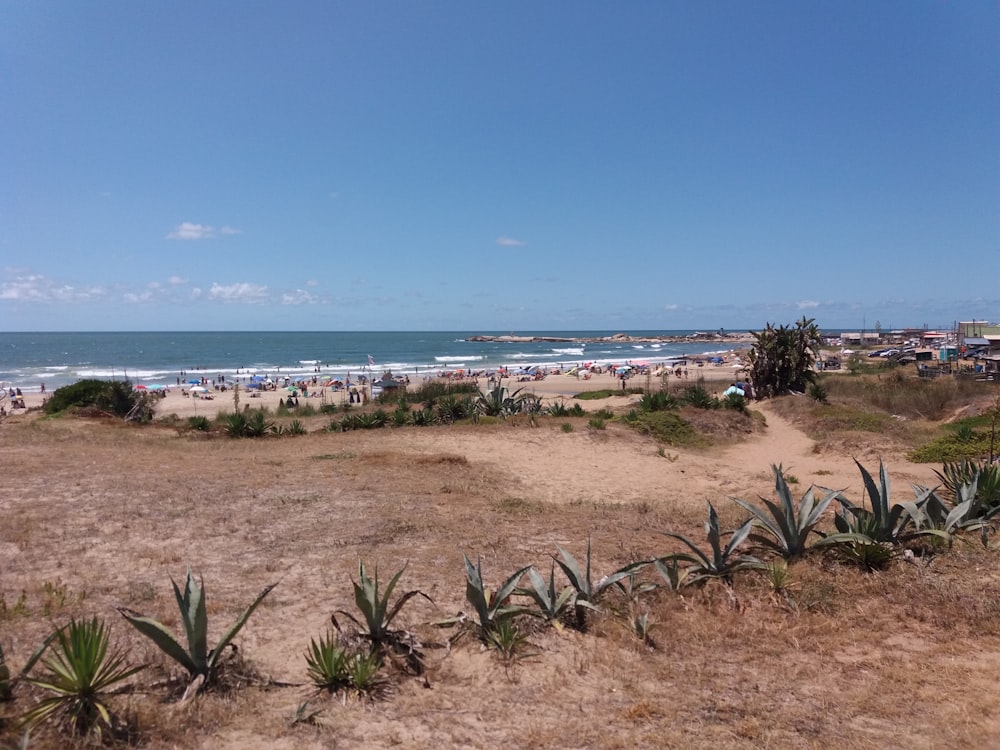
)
(606, 393)
(953, 447)
(833, 417)
(667, 427)
(115, 396)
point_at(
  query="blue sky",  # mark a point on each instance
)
(507, 166)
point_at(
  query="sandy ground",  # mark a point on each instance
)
(100, 514)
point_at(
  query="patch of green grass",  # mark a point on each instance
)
(566, 427)
(952, 447)
(829, 418)
(606, 393)
(668, 427)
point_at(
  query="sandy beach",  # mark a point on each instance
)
(184, 404)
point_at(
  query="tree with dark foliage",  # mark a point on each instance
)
(782, 358)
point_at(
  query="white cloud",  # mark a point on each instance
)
(510, 242)
(807, 304)
(38, 288)
(298, 297)
(133, 298)
(189, 231)
(238, 292)
(671, 307)
(176, 281)
(312, 282)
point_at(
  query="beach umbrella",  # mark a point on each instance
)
(199, 389)
(194, 382)
(140, 387)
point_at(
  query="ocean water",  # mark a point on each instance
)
(29, 359)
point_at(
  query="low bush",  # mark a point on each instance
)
(114, 396)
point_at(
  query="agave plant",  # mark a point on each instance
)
(894, 524)
(552, 603)
(934, 514)
(788, 527)
(378, 614)
(500, 402)
(673, 575)
(80, 673)
(956, 474)
(719, 562)
(587, 593)
(491, 607)
(201, 663)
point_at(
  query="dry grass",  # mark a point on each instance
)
(97, 515)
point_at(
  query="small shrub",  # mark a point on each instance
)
(596, 423)
(199, 423)
(566, 427)
(81, 672)
(697, 395)
(818, 392)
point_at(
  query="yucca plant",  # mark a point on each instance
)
(327, 664)
(421, 417)
(81, 672)
(587, 593)
(868, 555)
(235, 425)
(202, 664)
(558, 409)
(295, 427)
(371, 420)
(788, 527)
(552, 603)
(658, 401)
(258, 425)
(363, 672)
(452, 408)
(508, 640)
(719, 562)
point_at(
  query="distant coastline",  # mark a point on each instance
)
(715, 337)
